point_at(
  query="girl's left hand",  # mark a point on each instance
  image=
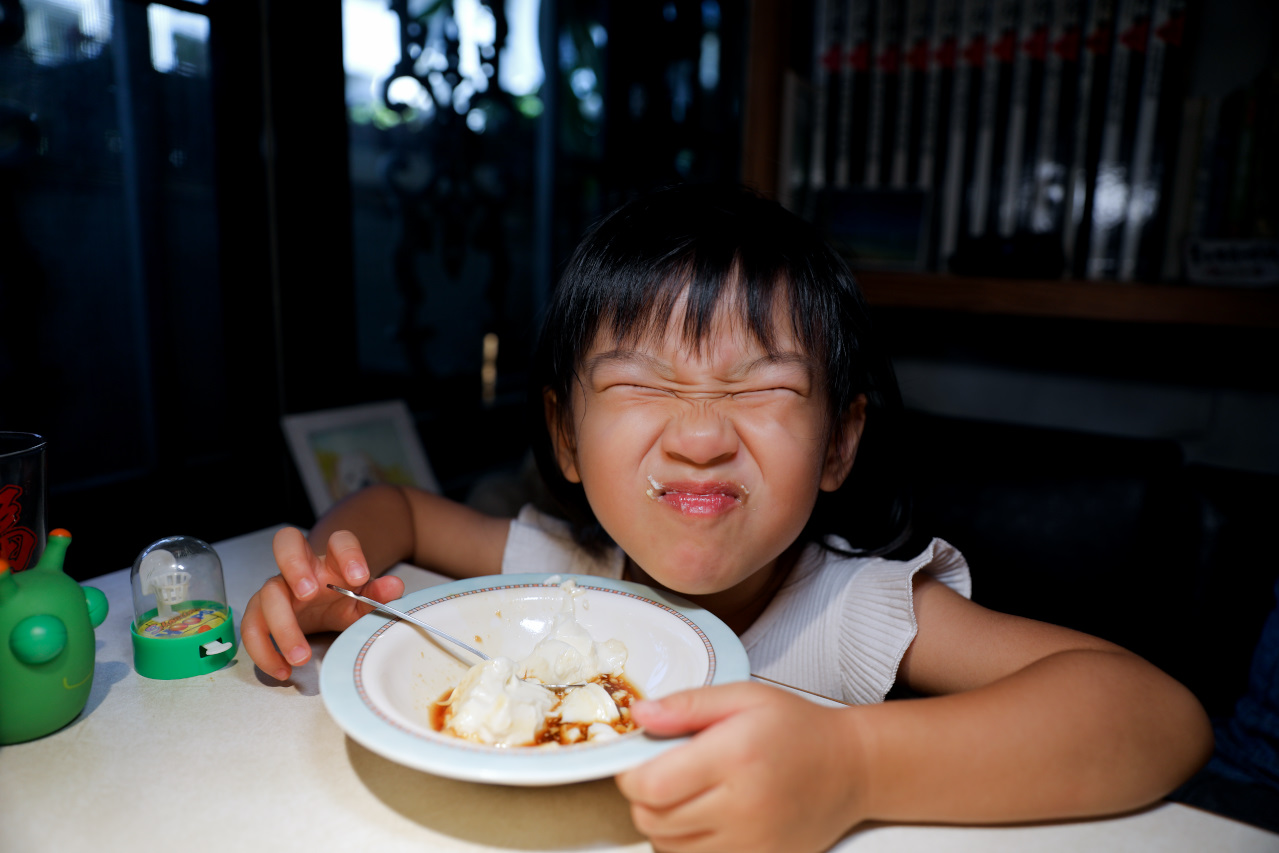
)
(766, 771)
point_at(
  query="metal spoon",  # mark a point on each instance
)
(437, 632)
(801, 690)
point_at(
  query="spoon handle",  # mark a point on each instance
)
(389, 609)
(800, 689)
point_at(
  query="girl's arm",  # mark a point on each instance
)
(395, 524)
(351, 546)
(1038, 722)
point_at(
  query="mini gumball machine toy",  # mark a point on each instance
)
(47, 647)
(182, 624)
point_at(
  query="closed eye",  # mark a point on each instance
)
(636, 391)
(762, 395)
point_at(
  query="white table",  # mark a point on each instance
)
(237, 761)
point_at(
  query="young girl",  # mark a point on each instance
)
(707, 380)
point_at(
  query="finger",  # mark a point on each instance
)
(282, 621)
(692, 843)
(384, 589)
(256, 639)
(718, 715)
(684, 820)
(693, 710)
(297, 562)
(346, 558)
(677, 776)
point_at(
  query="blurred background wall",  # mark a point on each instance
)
(214, 214)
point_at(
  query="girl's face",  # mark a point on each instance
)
(704, 466)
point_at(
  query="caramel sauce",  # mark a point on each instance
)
(556, 732)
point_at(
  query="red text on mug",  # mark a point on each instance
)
(16, 542)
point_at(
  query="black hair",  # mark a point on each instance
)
(715, 243)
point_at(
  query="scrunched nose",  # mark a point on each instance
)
(700, 436)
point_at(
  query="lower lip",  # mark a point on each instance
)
(700, 505)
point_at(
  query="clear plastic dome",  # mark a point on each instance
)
(178, 589)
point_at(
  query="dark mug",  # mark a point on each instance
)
(22, 499)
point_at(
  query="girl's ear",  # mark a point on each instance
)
(561, 438)
(843, 445)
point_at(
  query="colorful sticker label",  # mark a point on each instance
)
(184, 624)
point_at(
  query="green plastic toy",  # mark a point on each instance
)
(47, 644)
(182, 623)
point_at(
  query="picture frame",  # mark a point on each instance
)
(339, 451)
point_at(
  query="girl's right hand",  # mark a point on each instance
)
(297, 601)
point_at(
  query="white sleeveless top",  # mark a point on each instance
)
(838, 626)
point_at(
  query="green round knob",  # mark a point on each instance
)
(38, 639)
(98, 605)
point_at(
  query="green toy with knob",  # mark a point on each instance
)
(47, 645)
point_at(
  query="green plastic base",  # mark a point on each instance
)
(169, 658)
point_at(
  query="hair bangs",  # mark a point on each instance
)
(696, 293)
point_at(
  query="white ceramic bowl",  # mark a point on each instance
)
(381, 676)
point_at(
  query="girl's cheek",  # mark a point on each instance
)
(633, 423)
(609, 445)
